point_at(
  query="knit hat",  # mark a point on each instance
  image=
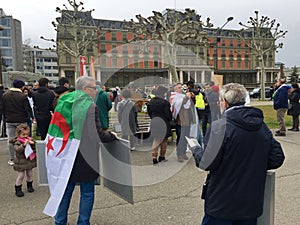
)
(18, 83)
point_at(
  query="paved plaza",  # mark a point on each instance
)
(175, 199)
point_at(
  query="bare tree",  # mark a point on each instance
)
(264, 33)
(170, 29)
(76, 31)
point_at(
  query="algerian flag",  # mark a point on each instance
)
(62, 143)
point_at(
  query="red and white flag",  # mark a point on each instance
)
(82, 65)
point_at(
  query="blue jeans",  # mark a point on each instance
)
(87, 190)
(209, 220)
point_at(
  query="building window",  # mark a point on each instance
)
(5, 42)
(239, 64)
(136, 63)
(146, 64)
(246, 64)
(231, 64)
(5, 33)
(114, 62)
(68, 60)
(125, 62)
(155, 63)
(223, 64)
(102, 48)
(103, 61)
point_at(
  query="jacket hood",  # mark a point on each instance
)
(245, 117)
(42, 89)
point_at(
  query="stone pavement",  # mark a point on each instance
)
(175, 199)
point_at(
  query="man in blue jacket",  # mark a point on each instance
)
(239, 149)
(280, 97)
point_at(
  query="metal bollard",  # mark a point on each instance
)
(267, 218)
(41, 163)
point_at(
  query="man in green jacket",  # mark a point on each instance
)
(104, 104)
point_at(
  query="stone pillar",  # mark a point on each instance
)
(257, 77)
(181, 76)
(202, 76)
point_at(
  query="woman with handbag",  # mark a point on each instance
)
(294, 106)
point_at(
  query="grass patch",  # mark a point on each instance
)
(270, 117)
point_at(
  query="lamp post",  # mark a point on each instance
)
(217, 41)
(1, 61)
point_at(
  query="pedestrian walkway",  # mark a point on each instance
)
(168, 193)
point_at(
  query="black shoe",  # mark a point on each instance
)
(19, 191)
(280, 134)
(162, 159)
(291, 129)
(155, 161)
(295, 129)
(29, 187)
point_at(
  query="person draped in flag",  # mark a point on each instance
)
(72, 151)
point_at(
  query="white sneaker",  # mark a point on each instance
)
(132, 149)
(10, 162)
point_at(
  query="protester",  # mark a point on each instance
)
(239, 149)
(104, 104)
(15, 108)
(160, 113)
(61, 89)
(182, 112)
(23, 164)
(127, 117)
(2, 120)
(280, 97)
(30, 118)
(294, 109)
(116, 93)
(43, 100)
(76, 121)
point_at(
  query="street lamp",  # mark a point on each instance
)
(1, 61)
(218, 39)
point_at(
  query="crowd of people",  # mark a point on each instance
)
(193, 111)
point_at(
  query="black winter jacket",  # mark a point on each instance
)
(43, 100)
(15, 106)
(161, 116)
(239, 150)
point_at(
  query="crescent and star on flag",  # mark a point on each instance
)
(60, 121)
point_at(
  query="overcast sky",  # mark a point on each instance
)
(36, 16)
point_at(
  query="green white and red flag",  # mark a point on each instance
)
(62, 143)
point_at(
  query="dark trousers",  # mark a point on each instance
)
(43, 125)
(209, 220)
(296, 122)
(206, 119)
(181, 142)
(3, 131)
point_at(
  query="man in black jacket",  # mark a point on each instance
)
(239, 149)
(16, 110)
(43, 106)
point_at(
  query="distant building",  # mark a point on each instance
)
(11, 43)
(41, 61)
(117, 62)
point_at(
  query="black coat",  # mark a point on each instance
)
(239, 150)
(86, 165)
(161, 116)
(294, 101)
(43, 100)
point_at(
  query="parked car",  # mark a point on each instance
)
(255, 93)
